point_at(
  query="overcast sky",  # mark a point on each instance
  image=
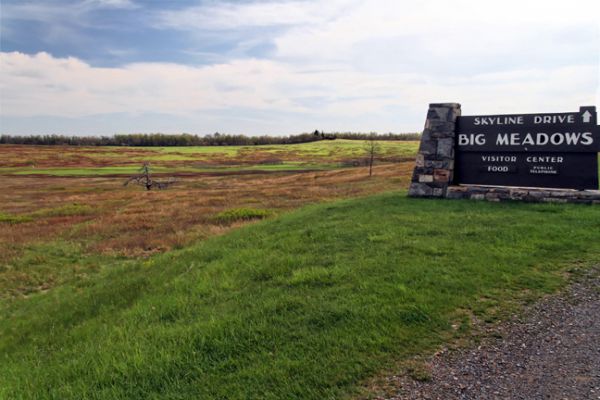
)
(283, 67)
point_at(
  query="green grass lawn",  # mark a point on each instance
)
(303, 306)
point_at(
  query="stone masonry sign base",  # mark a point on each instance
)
(433, 175)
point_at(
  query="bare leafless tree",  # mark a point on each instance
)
(372, 149)
(144, 179)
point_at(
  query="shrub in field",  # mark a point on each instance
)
(63, 211)
(241, 214)
(14, 219)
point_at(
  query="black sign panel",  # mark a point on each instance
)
(531, 150)
(549, 170)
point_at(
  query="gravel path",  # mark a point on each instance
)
(551, 352)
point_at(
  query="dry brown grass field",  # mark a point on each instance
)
(65, 210)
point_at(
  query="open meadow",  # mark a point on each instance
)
(64, 210)
(113, 292)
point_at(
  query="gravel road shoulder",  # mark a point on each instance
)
(552, 351)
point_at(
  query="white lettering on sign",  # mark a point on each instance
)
(471, 140)
(557, 139)
(502, 139)
(554, 119)
(542, 139)
(499, 158)
(497, 168)
(572, 138)
(515, 139)
(528, 140)
(544, 159)
(543, 169)
(587, 138)
(505, 120)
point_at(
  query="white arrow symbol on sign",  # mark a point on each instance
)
(587, 116)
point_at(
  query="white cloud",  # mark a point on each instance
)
(337, 65)
(462, 30)
(335, 99)
(336, 30)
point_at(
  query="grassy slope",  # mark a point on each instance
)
(303, 306)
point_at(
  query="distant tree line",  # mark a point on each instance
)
(184, 139)
(377, 136)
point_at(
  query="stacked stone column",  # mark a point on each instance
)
(434, 167)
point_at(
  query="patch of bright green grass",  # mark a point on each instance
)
(61, 211)
(228, 150)
(355, 148)
(304, 306)
(281, 166)
(14, 219)
(240, 214)
(163, 157)
(323, 148)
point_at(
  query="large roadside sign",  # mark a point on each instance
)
(558, 150)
